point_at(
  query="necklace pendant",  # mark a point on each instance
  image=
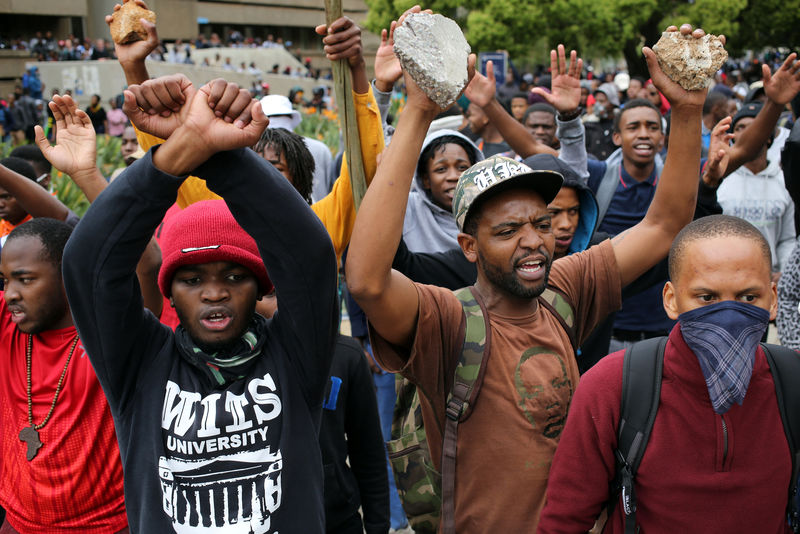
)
(31, 436)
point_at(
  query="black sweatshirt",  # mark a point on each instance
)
(239, 458)
(351, 409)
(450, 268)
(790, 161)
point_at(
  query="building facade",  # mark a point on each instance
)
(290, 21)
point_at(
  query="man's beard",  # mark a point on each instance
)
(50, 316)
(510, 283)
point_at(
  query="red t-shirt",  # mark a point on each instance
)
(6, 227)
(74, 483)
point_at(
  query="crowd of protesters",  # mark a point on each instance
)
(510, 256)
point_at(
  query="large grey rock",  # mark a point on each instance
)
(688, 61)
(432, 49)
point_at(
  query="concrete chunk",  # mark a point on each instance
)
(690, 62)
(125, 26)
(432, 49)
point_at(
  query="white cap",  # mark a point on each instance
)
(622, 81)
(279, 105)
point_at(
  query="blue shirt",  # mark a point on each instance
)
(644, 311)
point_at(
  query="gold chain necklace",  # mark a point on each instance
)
(30, 434)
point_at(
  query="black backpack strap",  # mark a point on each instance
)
(641, 391)
(785, 366)
(466, 384)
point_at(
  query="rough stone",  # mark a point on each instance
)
(126, 27)
(690, 62)
(432, 49)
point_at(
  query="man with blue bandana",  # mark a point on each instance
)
(718, 443)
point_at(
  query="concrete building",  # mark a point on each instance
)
(292, 20)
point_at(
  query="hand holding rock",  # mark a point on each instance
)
(434, 52)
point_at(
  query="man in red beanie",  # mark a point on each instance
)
(217, 421)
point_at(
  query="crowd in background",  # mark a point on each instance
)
(43, 46)
(587, 128)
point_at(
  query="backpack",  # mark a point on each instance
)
(426, 494)
(641, 392)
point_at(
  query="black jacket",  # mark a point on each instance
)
(243, 457)
(598, 138)
(790, 160)
(351, 430)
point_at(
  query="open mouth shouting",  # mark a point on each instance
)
(216, 319)
(531, 269)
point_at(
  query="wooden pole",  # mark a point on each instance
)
(343, 91)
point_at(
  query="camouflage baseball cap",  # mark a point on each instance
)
(496, 171)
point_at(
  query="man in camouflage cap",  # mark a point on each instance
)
(493, 175)
(505, 446)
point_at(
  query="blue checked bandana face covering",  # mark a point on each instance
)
(724, 337)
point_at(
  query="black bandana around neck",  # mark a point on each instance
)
(231, 364)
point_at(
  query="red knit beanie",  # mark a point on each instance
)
(203, 233)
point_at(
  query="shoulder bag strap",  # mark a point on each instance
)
(466, 384)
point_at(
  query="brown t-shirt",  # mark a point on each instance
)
(506, 445)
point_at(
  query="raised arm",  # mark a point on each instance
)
(565, 97)
(75, 151)
(75, 154)
(642, 246)
(481, 91)
(780, 88)
(387, 71)
(293, 243)
(389, 298)
(101, 257)
(99, 275)
(223, 97)
(565, 86)
(132, 56)
(719, 151)
(387, 66)
(343, 41)
(337, 209)
(32, 197)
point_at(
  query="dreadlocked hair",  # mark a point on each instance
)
(299, 160)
